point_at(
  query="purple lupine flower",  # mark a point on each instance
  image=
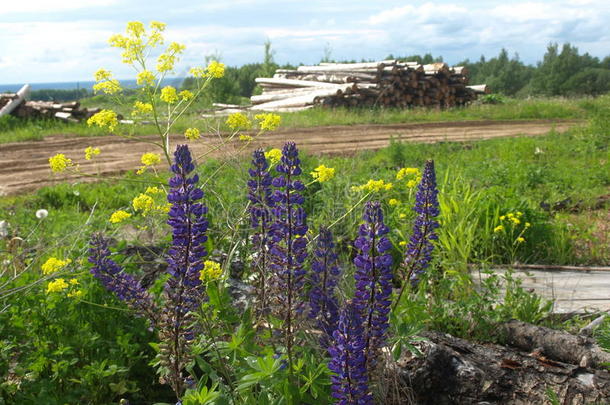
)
(373, 277)
(125, 286)
(261, 202)
(348, 360)
(323, 279)
(288, 249)
(183, 290)
(419, 250)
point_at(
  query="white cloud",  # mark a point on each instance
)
(41, 6)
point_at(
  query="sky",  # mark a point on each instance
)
(67, 40)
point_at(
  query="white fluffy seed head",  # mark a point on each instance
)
(42, 214)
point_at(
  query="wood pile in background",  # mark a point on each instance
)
(387, 83)
(19, 107)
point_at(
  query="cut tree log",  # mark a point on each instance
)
(555, 344)
(480, 89)
(22, 94)
(292, 82)
(454, 371)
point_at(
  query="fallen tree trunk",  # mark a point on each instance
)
(20, 98)
(454, 371)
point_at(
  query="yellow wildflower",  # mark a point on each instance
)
(238, 121)
(57, 286)
(274, 155)
(145, 78)
(520, 239)
(211, 271)
(74, 281)
(402, 243)
(53, 265)
(141, 108)
(198, 72)
(135, 28)
(515, 220)
(502, 217)
(407, 171)
(91, 151)
(75, 294)
(104, 118)
(110, 86)
(169, 95)
(527, 224)
(374, 185)
(192, 134)
(268, 121)
(150, 159)
(245, 138)
(393, 201)
(402, 216)
(411, 183)
(143, 203)
(498, 228)
(119, 216)
(519, 214)
(59, 163)
(186, 95)
(216, 69)
(323, 173)
(156, 25)
(154, 190)
(102, 74)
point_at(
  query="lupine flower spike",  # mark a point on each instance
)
(288, 252)
(419, 250)
(261, 203)
(373, 280)
(125, 286)
(323, 280)
(348, 362)
(183, 289)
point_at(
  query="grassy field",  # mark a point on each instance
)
(14, 130)
(89, 349)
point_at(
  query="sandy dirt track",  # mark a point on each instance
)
(24, 165)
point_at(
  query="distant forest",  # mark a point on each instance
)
(561, 72)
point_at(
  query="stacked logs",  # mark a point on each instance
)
(16, 104)
(387, 83)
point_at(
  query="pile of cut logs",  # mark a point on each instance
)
(16, 104)
(388, 83)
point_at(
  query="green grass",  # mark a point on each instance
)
(15, 130)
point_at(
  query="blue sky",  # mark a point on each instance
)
(66, 40)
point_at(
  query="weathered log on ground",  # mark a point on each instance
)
(555, 344)
(454, 371)
(16, 100)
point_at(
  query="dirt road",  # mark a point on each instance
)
(24, 165)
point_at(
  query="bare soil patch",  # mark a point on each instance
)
(24, 165)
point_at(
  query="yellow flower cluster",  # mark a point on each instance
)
(91, 151)
(57, 285)
(169, 95)
(167, 60)
(137, 40)
(323, 173)
(216, 69)
(145, 78)
(498, 228)
(59, 163)
(393, 201)
(192, 134)
(104, 118)
(53, 265)
(407, 171)
(245, 138)
(186, 95)
(143, 203)
(514, 218)
(119, 216)
(154, 190)
(198, 72)
(141, 108)
(373, 185)
(274, 155)
(268, 121)
(211, 271)
(106, 83)
(150, 159)
(238, 121)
